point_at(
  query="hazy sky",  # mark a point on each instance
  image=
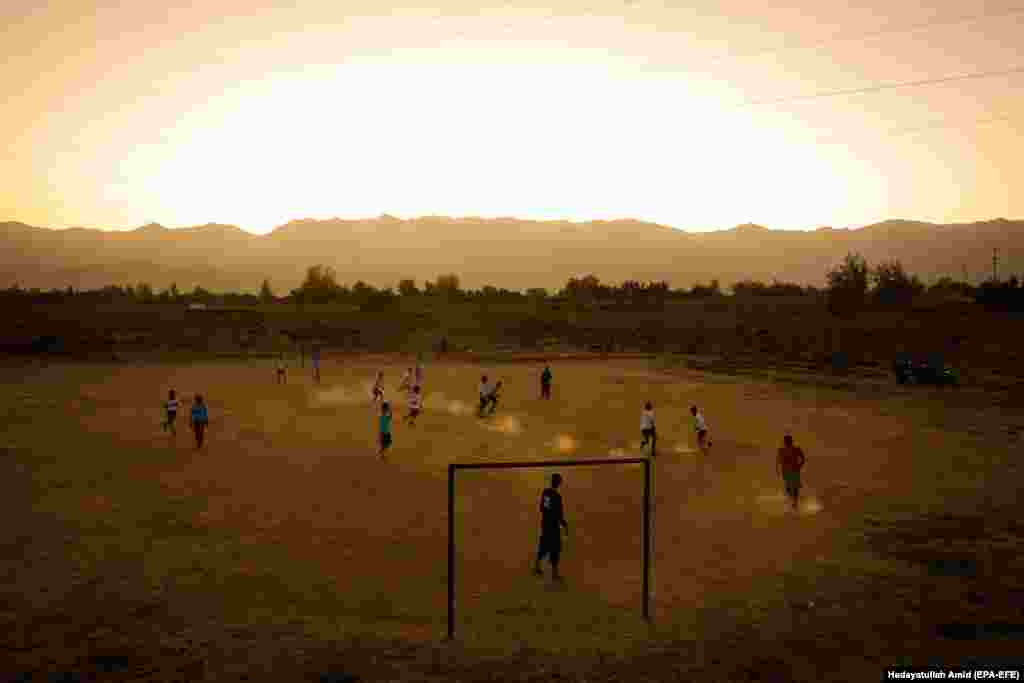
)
(117, 114)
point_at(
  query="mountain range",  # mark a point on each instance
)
(503, 252)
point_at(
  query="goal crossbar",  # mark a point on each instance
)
(547, 464)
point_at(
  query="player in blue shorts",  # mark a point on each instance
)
(384, 429)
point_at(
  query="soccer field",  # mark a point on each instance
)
(286, 514)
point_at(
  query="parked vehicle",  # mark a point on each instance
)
(934, 372)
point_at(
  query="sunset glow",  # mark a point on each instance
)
(121, 117)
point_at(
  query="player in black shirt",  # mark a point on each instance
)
(551, 524)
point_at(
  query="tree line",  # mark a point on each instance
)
(853, 284)
(850, 285)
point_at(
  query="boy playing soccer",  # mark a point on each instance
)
(384, 422)
(378, 387)
(172, 412)
(415, 405)
(200, 419)
(545, 383)
(551, 524)
(703, 440)
(282, 377)
(647, 431)
(788, 464)
(418, 374)
(487, 397)
(495, 395)
(316, 364)
(406, 382)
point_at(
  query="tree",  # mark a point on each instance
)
(1001, 295)
(361, 292)
(144, 292)
(657, 291)
(778, 288)
(749, 288)
(266, 294)
(583, 290)
(848, 284)
(893, 286)
(407, 288)
(200, 295)
(948, 286)
(448, 284)
(713, 289)
(537, 293)
(629, 291)
(320, 286)
(379, 299)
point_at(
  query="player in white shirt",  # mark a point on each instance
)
(415, 406)
(647, 430)
(701, 427)
(171, 409)
(378, 387)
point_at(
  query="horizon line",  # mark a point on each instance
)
(387, 216)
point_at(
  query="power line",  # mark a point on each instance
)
(880, 87)
(884, 31)
(895, 132)
(950, 124)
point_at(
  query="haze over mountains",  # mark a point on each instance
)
(504, 252)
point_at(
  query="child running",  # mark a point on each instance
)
(415, 405)
(384, 422)
(418, 374)
(378, 387)
(200, 419)
(486, 395)
(495, 395)
(647, 431)
(282, 370)
(406, 382)
(545, 383)
(788, 464)
(703, 440)
(316, 364)
(171, 408)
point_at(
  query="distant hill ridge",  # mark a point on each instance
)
(504, 252)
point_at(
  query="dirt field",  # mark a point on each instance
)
(284, 550)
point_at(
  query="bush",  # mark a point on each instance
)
(893, 286)
(848, 284)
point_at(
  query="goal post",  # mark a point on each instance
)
(453, 468)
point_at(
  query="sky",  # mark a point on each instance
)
(692, 115)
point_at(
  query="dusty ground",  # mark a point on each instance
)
(284, 550)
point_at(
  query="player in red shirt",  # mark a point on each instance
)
(788, 464)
